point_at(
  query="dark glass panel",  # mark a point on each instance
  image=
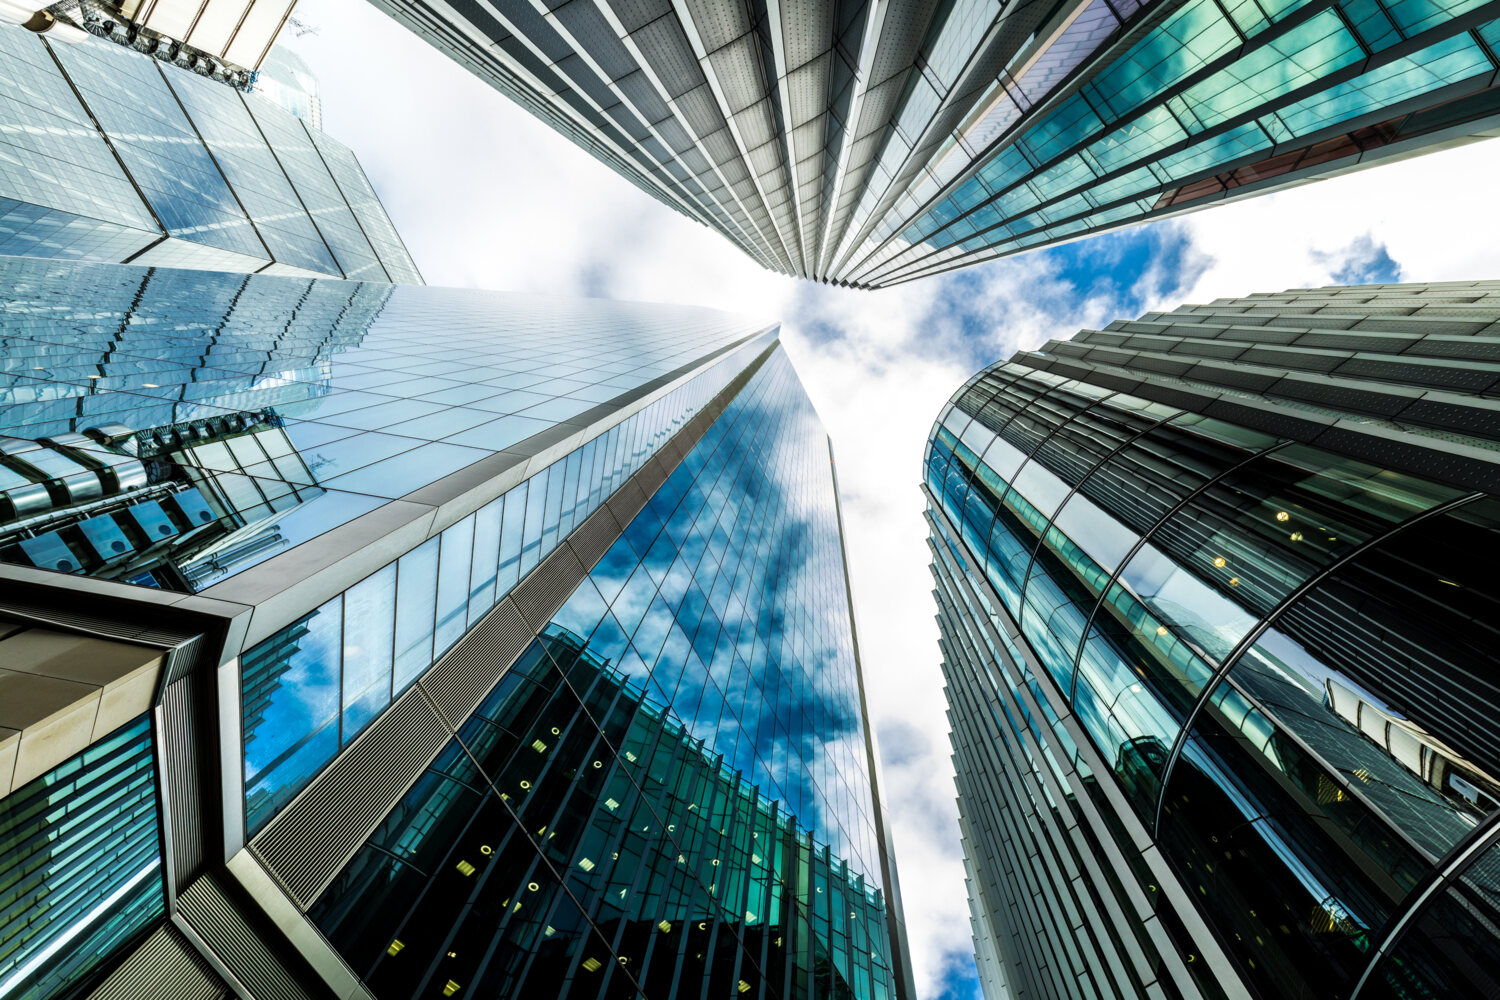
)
(1143, 481)
(1417, 621)
(1452, 949)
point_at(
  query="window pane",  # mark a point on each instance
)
(486, 557)
(510, 540)
(453, 585)
(290, 692)
(369, 630)
(536, 488)
(416, 601)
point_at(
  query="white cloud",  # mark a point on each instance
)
(487, 196)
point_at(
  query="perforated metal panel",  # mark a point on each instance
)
(544, 591)
(180, 741)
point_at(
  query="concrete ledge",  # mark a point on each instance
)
(59, 693)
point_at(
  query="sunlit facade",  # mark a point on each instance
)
(868, 144)
(1220, 654)
(112, 156)
(429, 642)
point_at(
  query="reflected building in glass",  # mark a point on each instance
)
(372, 640)
(113, 156)
(866, 144)
(1219, 636)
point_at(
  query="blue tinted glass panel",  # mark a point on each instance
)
(416, 609)
(290, 701)
(369, 631)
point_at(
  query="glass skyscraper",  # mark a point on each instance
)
(1219, 636)
(372, 640)
(867, 144)
(109, 155)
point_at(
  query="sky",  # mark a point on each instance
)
(486, 196)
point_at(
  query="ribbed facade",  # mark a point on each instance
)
(112, 156)
(1220, 649)
(871, 143)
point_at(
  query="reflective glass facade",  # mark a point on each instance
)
(80, 864)
(314, 685)
(670, 787)
(180, 430)
(1216, 651)
(408, 575)
(868, 144)
(114, 156)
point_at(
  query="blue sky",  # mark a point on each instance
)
(485, 196)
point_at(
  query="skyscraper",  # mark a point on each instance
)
(1218, 633)
(399, 641)
(870, 143)
(113, 156)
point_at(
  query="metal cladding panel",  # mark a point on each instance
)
(211, 910)
(459, 680)
(548, 586)
(305, 845)
(185, 704)
(165, 965)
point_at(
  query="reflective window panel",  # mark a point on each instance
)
(113, 155)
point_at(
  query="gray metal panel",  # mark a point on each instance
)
(308, 842)
(181, 745)
(165, 965)
(458, 681)
(218, 919)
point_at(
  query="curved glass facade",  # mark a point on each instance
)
(1280, 653)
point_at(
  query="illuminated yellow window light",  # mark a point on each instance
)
(666, 926)
(744, 986)
(585, 864)
(395, 947)
(538, 746)
(611, 805)
(464, 868)
(592, 964)
(451, 988)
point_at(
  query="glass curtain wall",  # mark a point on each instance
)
(669, 788)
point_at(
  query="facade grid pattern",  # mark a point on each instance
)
(696, 815)
(113, 156)
(867, 144)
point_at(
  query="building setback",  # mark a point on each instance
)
(113, 156)
(1220, 648)
(867, 144)
(365, 640)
